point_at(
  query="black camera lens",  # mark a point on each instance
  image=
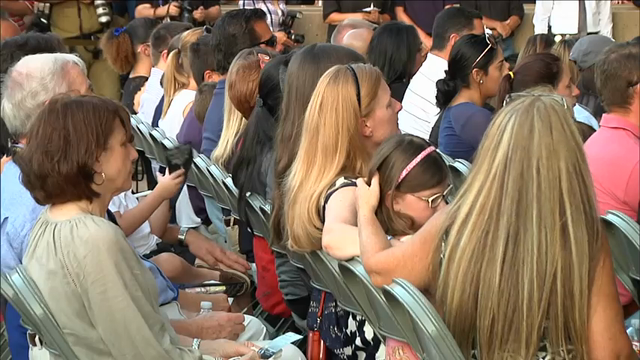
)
(296, 38)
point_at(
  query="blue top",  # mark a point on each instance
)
(462, 128)
(582, 114)
(213, 121)
(19, 213)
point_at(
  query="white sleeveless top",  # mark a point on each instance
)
(172, 122)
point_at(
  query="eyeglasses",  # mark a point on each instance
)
(520, 95)
(270, 42)
(492, 44)
(436, 199)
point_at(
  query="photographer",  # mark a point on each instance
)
(80, 27)
(276, 12)
(203, 11)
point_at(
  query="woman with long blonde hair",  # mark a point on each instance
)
(517, 264)
(350, 114)
(179, 85)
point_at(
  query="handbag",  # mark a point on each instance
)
(316, 348)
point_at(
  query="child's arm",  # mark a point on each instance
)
(168, 186)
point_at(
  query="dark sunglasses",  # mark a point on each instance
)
(270, 42)
(492, 44)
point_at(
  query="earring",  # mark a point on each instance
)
(481, 81)
(103, 179)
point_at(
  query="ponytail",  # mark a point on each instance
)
(447, 89)
(175, 79)
(506, 88)
(117, 48)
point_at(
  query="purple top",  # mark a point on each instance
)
(191, 131)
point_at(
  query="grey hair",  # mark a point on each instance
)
(30, 83)
(347, 25)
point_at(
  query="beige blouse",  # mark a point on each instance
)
(99, 292)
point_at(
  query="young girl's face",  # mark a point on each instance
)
(416, 205)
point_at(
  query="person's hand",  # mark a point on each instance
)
(283, 40)
(173, 9)
(212, 254)
(228, 349)
(373, 16)
(169, 185)
(219, 325)
(503, 29)
(427, 41)
(199, 14)
(619, 2)
(368, 196)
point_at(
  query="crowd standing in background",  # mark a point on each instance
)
(348, 142)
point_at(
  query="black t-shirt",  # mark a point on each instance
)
(423, 13)
(130, 89)
(353, 6)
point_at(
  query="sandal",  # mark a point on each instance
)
(235, 282)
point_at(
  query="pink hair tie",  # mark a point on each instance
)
(415, 162)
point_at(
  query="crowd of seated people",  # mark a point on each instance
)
(348, 142)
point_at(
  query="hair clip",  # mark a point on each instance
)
(511, 74)
(259, 102)
(118, 31)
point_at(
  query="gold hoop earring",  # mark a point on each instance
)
(103, 179)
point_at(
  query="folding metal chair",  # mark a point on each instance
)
(447, 159)
(20, 290)
(372, 303)
(624, 240)
(137, 135)
(459, 170)
(219, 179)
(259, 223)
(145, 139)
(328, 269)
(426, 332)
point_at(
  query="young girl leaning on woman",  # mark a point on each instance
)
(414, 184)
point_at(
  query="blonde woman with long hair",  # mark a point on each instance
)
(350, 114)
(517, 264)
(179, 85)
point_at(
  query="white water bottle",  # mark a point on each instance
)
(205, 307)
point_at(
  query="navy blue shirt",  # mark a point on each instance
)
(213, 121)
(463, 126)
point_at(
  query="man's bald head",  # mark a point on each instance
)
(358, 40)
(344, 27)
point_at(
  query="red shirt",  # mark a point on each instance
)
(613, 154)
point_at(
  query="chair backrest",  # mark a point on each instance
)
(624, 240)
(374, 307)
(459, 170)
(137, 135)
(157, 136)
(20, 290)
(259, 223)
(145, 138)
(427, 333)
(328, 268)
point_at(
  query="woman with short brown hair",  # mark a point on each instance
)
(78, 156)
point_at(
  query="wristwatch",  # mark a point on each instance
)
(196, 344)
(182, 235)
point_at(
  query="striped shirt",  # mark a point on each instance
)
(276, 11)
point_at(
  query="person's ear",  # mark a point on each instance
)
(365, 127)
(395, 203)
(477, 75)
(165, 55)
(211, 76)
(453, 39)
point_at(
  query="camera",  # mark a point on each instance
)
(41, 18)
(287, 24)
(103, 11)
(186, 15)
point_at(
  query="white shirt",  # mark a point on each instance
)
(563, 16)
(172, 121)
(151, 96)
(142, 240)
(419, 111)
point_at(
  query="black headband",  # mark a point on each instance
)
(355, 78)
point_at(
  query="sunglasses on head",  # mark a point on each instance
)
(270, 42)
(515, 96)
(491, 40)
